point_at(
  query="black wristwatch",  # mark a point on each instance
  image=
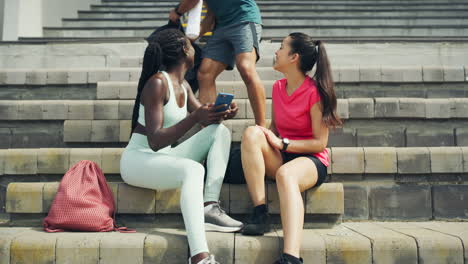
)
(285, 143)
(177, 12)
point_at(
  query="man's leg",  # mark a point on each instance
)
(245, 63)
(207, 74)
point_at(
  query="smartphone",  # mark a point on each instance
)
(224, 98)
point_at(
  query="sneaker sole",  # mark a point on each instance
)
(222, 229)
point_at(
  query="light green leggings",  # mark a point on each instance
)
(180, 167)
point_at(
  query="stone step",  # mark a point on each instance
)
(285, 6)
(354, 242)
(379, 183)
(277, 31)
(278, 21)
(98, 53)
(344, 74)
(405, 122)
(27, 203)
(302, 12)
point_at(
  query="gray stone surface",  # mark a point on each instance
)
(400, 202)
(450, 201)
(356, 202)
(413, 160)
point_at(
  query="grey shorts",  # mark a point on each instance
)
(227, 42)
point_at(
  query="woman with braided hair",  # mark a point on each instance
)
(159, 119)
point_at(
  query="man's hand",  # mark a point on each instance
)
(173, 16)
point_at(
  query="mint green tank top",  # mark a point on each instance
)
(173, 114)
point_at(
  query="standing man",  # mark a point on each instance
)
(235, 41)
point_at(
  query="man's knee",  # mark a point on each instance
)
(247, 70)
(205, 75)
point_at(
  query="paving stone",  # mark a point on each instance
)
(125, 129)
(91, 154)
(240, 202)
(381, 137)
(106, 109)
(400, 202)
(433, 247)
(257, 250)
(5, 139)
(388, 246)
(454, 229)
(119, 75)
(413, 160)
(33, 246)
(80, 110)
(326, 199)
(342, 137)
(380, 160)
(57, 77)
(450, 202)
(125, 110)
(165, 246)
(13, 77)
(3, 155)
(222, 246)
(168, 201)
(348, 160)
(98, 75)
(349, 74)
(106, 90)
(30, 110)
(77, 130)
(438, 108)
(134, 200)
(460, 107)
(54, 110)
(20, 161)
(77, 248)
(411, 74)
(463, 149)
(412, 108)
(370, 74)
(6, 236)
(9, 110)
(387, 107)
(433, 74)
(430, 137)
(121, 248)
(53, 160)
(24, 198)
(454, 74)
(342, 109)
(77, 77)
(111, 160)
(392, 75)
(361, 107)
(346, 246)
(446, 159)
(48, 195)
(105, 130)
(126, 91)
(36, 77)
(313, 248)
(356, 202)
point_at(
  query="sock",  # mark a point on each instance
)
(261, 209)
(292, 259)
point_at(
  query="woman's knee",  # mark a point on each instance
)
(252, 136)
(282, 177)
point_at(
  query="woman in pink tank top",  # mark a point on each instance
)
(293, 151)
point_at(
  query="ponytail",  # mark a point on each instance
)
(313, 53)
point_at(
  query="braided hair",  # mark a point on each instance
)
(165, 51)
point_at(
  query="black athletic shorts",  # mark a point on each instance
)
(321, 169)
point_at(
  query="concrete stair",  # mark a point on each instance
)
(433, 242)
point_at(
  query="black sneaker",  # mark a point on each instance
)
(288, 259)
(258, 223)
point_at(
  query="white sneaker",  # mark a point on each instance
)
(208, 260)
(217, 220)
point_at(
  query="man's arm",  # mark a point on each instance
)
(183, 7)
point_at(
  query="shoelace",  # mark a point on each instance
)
(211, 260)
(218, 206)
